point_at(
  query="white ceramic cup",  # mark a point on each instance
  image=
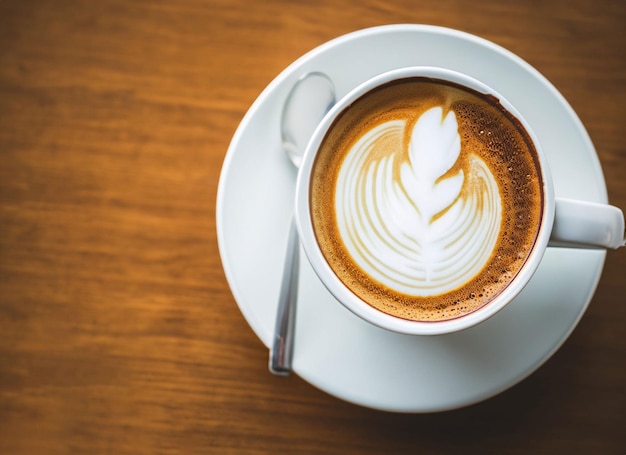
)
(565, 222)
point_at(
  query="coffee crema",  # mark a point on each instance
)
(426, 198)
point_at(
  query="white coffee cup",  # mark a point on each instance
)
(564, 222)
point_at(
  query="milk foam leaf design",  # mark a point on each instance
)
(434, 148)
(401, 212)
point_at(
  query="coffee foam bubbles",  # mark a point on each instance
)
(413, 213)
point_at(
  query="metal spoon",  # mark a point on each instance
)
(309, 100)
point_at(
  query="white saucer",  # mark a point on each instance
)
(335, 350)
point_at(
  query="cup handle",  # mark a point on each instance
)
(581, 224)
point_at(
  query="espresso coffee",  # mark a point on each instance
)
(426, 198)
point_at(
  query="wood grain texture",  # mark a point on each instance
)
(118, 332)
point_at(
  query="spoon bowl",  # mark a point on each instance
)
(309, 100)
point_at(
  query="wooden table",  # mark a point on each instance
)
(118, 331)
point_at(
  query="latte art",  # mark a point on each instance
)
(425, 198)
(418, 224)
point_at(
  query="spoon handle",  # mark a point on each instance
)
(281, 351)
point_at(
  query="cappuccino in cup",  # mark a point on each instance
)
(426, 198)
(425, 203)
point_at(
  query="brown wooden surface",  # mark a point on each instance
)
(118, 332)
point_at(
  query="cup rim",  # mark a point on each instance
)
(340, 291)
